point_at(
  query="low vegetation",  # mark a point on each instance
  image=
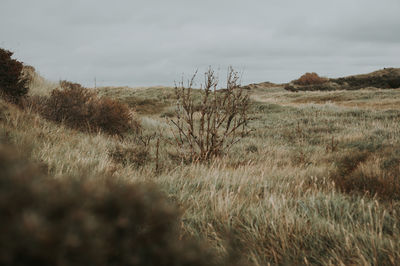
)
(370, 170)
(314, 183)
(388, 78)
(39, 86)
(80, 221)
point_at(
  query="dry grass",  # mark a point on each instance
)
(39, 85)
(273, 197)
(78, 221)
(368, 98)
(145, 101)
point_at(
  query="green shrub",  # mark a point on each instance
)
(75, 221)
(13, 84)
(387, 78)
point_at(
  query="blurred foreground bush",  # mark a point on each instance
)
(73, 221)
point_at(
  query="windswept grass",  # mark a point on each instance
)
(38, 85)
(284, 195)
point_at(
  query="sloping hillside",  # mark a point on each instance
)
(387, 78)
(316, 181)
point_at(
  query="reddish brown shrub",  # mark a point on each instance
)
(65, 84)
(111, 116)
(71, 106)
(35, 103)
(13, 85)
(80, 108)
(310, 79)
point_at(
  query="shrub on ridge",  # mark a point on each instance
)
(13, 84)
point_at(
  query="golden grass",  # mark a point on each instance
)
(368, 98)
(272, 197)
(39, 85)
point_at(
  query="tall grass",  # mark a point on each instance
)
(38, 85)
(274, 198)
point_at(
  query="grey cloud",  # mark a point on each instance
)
(153, 42)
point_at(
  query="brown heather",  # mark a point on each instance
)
(80, 221)
(310, 79)
(81, 108)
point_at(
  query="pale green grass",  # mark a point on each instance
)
(271, 196)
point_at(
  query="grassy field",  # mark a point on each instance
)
(317, 181)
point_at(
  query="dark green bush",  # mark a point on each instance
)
(75, 221)
(13, 84)
(388, 78)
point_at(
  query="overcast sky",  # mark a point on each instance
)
(150, 42)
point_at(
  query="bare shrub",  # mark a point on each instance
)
(310, 79)
(13, 84)
(76, 221)
(210, 125)
(71, 106)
